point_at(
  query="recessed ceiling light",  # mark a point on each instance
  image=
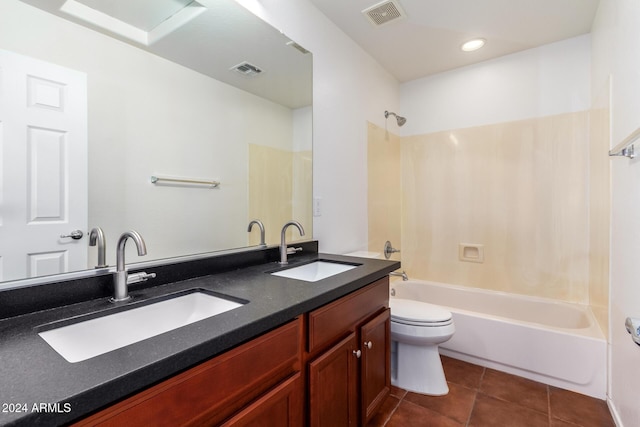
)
(472, 45)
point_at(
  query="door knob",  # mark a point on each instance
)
(368, 344)
(75, 235)
(357, 353)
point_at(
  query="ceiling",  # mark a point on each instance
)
(427, 41)
(209, 36)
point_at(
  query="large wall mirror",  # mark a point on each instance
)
(97, 97)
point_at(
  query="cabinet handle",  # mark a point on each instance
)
(368, 344)
(357, 353)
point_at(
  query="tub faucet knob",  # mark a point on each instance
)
(389, 249)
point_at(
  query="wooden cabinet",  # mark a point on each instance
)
(262, 374)
(333, 392)
(349, 353)
(376, 363)
(329, 368)
(281, 407)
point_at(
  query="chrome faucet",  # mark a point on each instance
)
(122, 279)
(283, 240)
(96, 236)
(261, 225)
(403, 274)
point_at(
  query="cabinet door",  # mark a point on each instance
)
(281, 407)
(333, 386)
(214, 390)
(376, 364)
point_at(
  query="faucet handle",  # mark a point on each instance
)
(291, 251)
(139, 277)
(388, 249)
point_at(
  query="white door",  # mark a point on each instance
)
(43, 182)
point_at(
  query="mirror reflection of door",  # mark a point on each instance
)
(43, 150)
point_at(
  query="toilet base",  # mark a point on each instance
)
(419, 369)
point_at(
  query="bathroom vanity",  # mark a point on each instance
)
(294, 353)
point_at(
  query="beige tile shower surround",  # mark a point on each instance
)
(533, 192)
(279, 178)
(384, 197)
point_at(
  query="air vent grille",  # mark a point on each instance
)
(384, 13)
(247, 69)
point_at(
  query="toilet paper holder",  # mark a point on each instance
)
(633, 327)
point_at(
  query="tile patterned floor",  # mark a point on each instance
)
(483, 397)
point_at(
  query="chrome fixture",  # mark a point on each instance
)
(283, 240)
(75, 235)
(96, 237)
(261, 225)
(402, 274)
(633, 327)
(399, 119)
(626, 147)
(208, 182)
(122, 279)
(389, 249)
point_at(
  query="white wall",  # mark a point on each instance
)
(143, 111)
(349, 89)
(548, 80)
(616, 37)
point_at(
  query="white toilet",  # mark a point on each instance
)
(416, 330)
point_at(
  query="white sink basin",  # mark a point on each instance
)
(90, 338)
(315, 271)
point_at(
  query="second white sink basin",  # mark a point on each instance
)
(84, 340)
(315, 271)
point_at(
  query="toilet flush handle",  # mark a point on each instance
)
(368, 344)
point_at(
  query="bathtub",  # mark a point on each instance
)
(544, 340)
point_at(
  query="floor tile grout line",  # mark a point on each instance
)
(395, 408)
(408, 402)
(549, 402)
(475, 397)
(473, 405)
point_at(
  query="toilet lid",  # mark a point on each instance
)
(417, 311)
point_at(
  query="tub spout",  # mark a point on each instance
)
(400, 274)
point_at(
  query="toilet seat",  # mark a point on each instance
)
(418, 313)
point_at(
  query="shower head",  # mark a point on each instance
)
(399, 119)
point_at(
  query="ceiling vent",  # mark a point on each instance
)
(384, 13)
(246, 69)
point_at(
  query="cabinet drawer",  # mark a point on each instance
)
(280, 407)
(212, 391)
(334, 320)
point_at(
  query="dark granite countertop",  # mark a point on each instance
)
(39, 387)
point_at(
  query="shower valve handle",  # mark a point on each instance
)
(389, 249)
